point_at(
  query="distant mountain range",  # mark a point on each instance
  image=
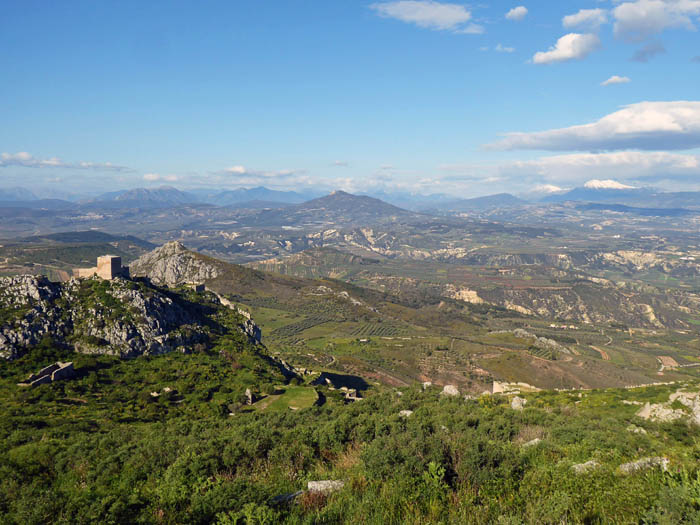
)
(500, 200)
(16, 194)
(634, 197)
(604, 191)
(252, 195)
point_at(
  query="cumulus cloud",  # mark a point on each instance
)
(517, 13)
(573, 46)
(27, 160)
(155, 177)
(425, 13)
(586, 19)
(616, 79)
(645, 125)
(638, 20)
(503, 49)
(648, 52)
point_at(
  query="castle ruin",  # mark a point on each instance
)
(108, 267)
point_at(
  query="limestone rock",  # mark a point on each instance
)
(644, 464)
(406, 413)
(172, 264)
(116, 317)
(583, 468)
(532, 443)
(636, 430)
(518, 403)
(325, 486)
(249, 396)
(450, 390)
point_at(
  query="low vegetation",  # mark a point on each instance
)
(169, 439)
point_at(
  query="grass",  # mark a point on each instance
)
(293, 397)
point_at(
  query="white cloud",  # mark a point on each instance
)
(154, 177)
(26, 160)
(341, 163)
(503, 49)
(645, 125)
(638, 20)
(517, 13)
(240, 170)
(577, 168)
(425, 13)
(573, 46)
(257, 175)
(616, 79)
(587, 19)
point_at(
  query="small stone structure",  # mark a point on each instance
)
(51, 373)
(196, 287)
(108, 267)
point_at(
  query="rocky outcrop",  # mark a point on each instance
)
(583, 468)
(644, 464)
(172, 264)
(117, 317)
(26, 290)
(665, 412)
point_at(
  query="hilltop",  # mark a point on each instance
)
(118, 317)
(339, 208)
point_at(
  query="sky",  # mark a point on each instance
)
(419, 96)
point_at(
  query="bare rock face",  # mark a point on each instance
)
(173, 264)
(115, 317)
(25, 290)
(665, 412)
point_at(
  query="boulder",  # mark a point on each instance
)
(532, 443)
(518, 403)
(325, 486)
(582, 468)
(644, 464)
(450, 390)
(249, 396)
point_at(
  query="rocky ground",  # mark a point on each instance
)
(118, 317)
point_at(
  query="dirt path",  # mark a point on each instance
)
(602, 353)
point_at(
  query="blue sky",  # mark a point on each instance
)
(419, 96)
